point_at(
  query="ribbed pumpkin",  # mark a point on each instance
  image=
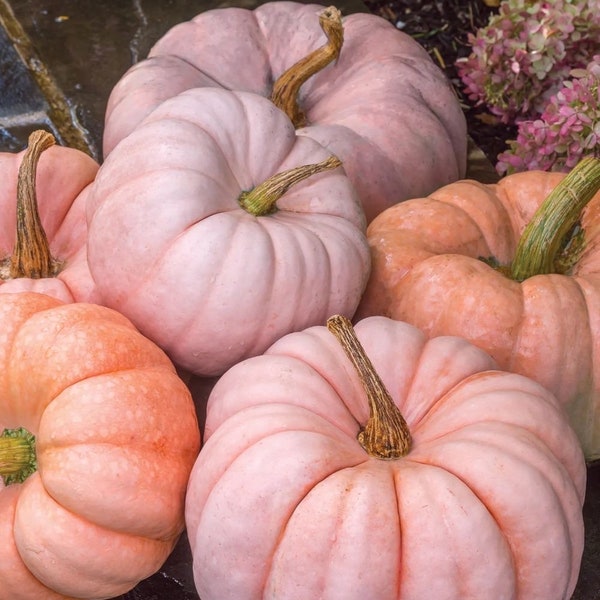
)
(98, 437)
(217, 229)
(366, 91)
(514, 267)
(462, 482)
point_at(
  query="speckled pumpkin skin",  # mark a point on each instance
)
(116, 437)
(426, 271)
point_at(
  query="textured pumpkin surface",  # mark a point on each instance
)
(383, 107)
(426, 271)
(62, 185)
(116, 437)
(284, 503)
(170, 247)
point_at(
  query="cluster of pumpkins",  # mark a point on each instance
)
(402, 364)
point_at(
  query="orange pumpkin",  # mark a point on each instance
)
(441, 263)
(99, 437)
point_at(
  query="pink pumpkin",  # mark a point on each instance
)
(176, 244)
(462, 482)
(379, 103)
(44, 250)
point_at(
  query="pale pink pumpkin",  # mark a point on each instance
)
(284, 501)
(115, 437)
(59, 181)
(209, 280)
(382, 105)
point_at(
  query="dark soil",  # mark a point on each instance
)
(442, 28)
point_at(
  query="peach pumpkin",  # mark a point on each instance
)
(458, 262)
(98, 439)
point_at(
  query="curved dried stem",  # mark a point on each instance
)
(386, 434)
(287, 87)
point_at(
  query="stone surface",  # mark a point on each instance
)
(58, 62)
(23, 107)
(80, 48)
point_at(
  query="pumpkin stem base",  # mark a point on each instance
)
(261, 200)
(17, 455)
(553, 240)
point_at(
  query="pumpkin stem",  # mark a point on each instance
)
(553, 240)
(262, 199)
(31, 254)
(386, 434)
(286, 88)
(17, 455)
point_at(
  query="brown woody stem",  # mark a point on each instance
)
(386, 434)
(286, 88)
(31, 254)
(262, 200)
(17, 455)
(547, 244)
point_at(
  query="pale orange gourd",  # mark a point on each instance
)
(479, 494)
(433, 266)
(115, 436)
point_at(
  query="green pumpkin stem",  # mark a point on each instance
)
(31, 254)
(17, 455)
(286, 88)
(262, 200)
(552, 241)
(386, 434)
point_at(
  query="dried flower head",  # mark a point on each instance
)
(524, 53)
(567, 130)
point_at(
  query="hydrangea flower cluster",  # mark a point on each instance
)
(525, 52)
(567, 130)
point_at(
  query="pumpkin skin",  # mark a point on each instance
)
(116, 437)
(63, 181)
(170, 247)
(284, 503)
(384, 108)
(426, 272)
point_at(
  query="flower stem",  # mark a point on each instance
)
(31, 254)
(547, 241)
(386, 434)
(286, 88)
(17, 455)
(262, 200)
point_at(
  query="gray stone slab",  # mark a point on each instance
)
(87, 45)
(23, 107)
(19, 93)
